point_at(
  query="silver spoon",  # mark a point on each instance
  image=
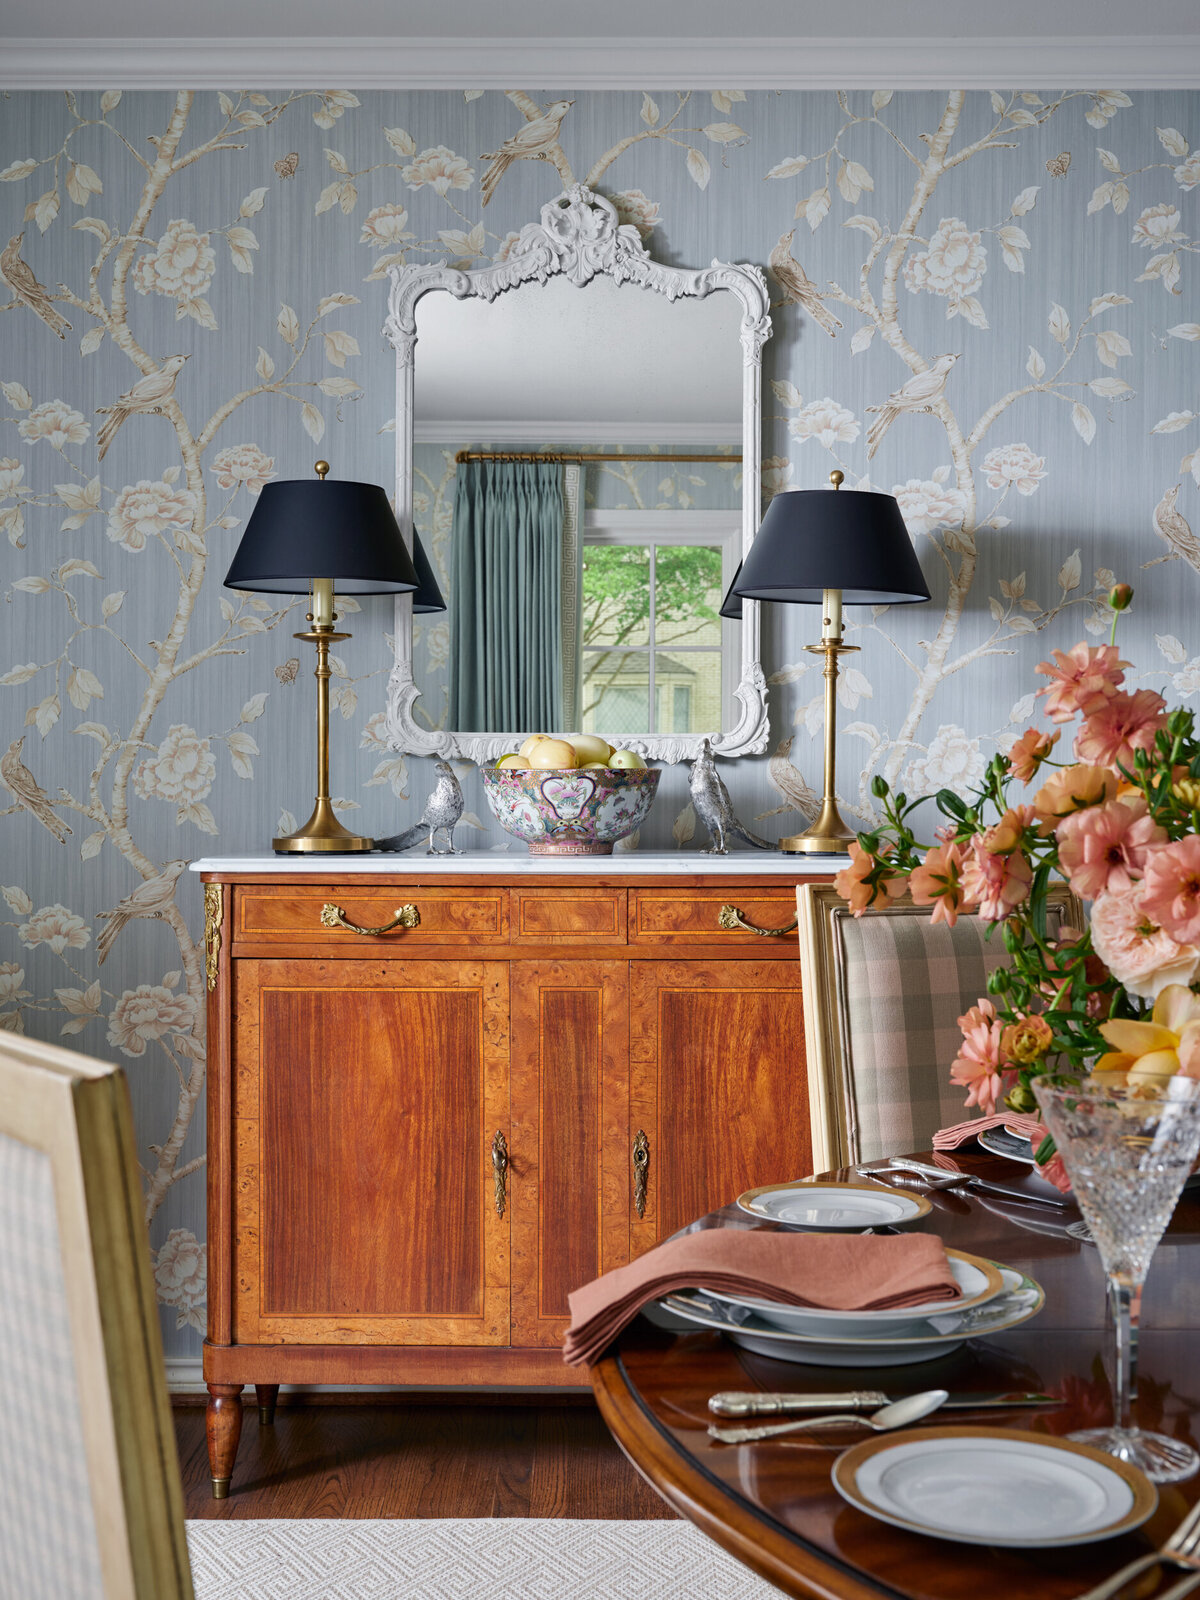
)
(897, 1415)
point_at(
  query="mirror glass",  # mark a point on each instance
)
(626, 624)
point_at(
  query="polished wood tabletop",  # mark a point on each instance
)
(772, 1503)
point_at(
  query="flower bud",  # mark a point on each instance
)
(879, 787)
(1021, 1098)
(1120, 596)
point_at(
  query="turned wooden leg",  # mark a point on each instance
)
(223, 1424)
(267, 1394)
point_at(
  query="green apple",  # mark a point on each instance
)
(626, 760)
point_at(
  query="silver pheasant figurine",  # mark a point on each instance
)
(713, 807)
(442, 811)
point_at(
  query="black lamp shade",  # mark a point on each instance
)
(427, 596)
(731, 606)
(811, 540)
(303, 529)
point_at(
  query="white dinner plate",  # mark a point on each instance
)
(994, 1486)
(978, 1280)
(833, 1207)
(1022, 1299)
(1000, 1142)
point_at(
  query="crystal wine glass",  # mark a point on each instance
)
(1128, 1159)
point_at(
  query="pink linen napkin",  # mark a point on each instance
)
(962, 1132)
(857, 1273)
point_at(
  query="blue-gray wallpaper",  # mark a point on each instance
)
(986, 304)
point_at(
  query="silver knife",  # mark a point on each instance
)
(971, 1180)
(755, 1403)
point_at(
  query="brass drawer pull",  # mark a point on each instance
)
(500, 1171)
(729, 917)
(641, 1171)
(334, 917)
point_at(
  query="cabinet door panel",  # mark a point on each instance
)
(367, 1101)
(570, 1112)
(718, 1085)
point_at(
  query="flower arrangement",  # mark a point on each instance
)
(1120, 822)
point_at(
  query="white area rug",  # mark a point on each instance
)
(509, 1558)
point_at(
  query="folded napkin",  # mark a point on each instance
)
(962, 1132)
(862, 1272)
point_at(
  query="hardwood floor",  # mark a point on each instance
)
(409, 1460)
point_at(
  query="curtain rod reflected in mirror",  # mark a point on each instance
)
(584, 455)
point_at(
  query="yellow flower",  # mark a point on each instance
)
(1156, 1050)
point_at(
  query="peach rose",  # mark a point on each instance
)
(1026, 1040)
(1139, 953)
(1106, 847)
(937, 882)
(1120, 726)
(1074, 789)
(1171, 889)
(1029, 751)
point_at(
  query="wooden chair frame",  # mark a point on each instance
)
(825, 1019)
(77, 1112)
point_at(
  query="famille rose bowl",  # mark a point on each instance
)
(564, 811)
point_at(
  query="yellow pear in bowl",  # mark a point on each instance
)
(527, 747)
(591, 750)
(552, 753)
(626, 760)
(513, 763)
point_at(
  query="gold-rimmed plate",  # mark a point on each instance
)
(994, 1486)
(978, 1282)
(834, 1207)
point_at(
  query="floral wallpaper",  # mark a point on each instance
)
(985, 303)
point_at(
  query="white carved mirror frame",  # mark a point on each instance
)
(579, 238)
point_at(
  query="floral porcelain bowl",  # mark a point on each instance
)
(564, 811)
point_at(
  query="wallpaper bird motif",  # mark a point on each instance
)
(985, 303)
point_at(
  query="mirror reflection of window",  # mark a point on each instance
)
(638, 598)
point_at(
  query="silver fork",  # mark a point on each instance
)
(1182, 1549)
(894, 1177)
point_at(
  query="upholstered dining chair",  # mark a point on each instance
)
(91, 1506)
(882, 995)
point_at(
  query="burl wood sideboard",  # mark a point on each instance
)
(444, 1093)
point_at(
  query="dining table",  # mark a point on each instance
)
(772, 1503)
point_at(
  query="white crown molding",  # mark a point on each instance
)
(1132, 62)
(698, 435)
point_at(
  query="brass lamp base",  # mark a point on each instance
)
(322, 833)
(828, 836)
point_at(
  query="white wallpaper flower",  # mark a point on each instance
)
(969, 309)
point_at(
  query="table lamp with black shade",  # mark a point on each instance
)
(818, 547)
(306, 537)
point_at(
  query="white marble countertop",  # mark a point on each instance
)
(504, 863)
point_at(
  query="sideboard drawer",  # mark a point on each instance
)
(569, 915)
(446, 916)
(694, 916)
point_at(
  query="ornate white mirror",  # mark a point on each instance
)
(578, 450)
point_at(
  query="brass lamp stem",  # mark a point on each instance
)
(828, 835)
(322, 831)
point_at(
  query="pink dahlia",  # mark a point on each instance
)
(997, 874)
(1081, 679)
(1106, 847)
(937, 882)
(976, 1068)
(1135, 948)
(1029, 751)
(1119, 726)
(1171, 889)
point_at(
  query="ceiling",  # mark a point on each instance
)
(614, 19)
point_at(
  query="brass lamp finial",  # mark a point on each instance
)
(321, 468)
(836, 478)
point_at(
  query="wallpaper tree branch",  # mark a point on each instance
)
(985, 303)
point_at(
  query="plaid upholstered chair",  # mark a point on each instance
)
(882, 995)
(91, 1506)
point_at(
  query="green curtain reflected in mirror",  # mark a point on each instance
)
(506, 597)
